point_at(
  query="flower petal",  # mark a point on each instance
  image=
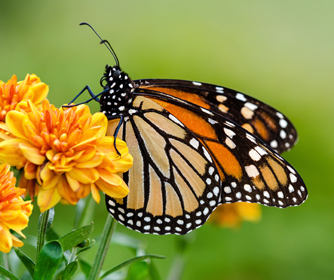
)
(41, 90)
(74, 184)
(95, 193)
(32, 154)
(66, 192)
(47, 198)
(117, 190)
(6, 242)
(49, 177)
(14, 122)
(85, 176)
(10, 153)
(16, 242)
(18, 223)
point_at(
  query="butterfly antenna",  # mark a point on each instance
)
(105, 42)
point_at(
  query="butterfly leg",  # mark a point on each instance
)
(116, 132)
(94, 97)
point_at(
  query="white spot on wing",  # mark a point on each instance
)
(252, 171)
(229, 132)
(207, 111)
(207, 155)
(293, 178)
(230, 143)
(247, 188)
(240, 97)
(195, 143)
(174, 119)
(260, 150)
(227, 189)
(278, 114)
(282, 134)
(212, 121)
(251, 106)
(254, 155)
(283, 123)
(220, 89)
(274, 144)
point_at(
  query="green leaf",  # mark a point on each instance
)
(26, 276)
(70, 270)
(138, 271)
(7, 273)
(67, 256)
(89, 245)
(48, 260)
(127, 241)
(52, 235)
(75, 237)
(131, 261)
(85, 267)
(154, 272)
(50, 219)
(28, 262)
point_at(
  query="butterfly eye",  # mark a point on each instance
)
(103, 81)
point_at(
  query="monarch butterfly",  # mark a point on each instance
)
(195, 146)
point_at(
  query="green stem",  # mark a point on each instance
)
(88, 213)
(2, 263)
(177, 267)
(102, 250)
(42, 226)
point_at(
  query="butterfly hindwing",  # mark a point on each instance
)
(249, 169)
(174, 184)
(253, 115)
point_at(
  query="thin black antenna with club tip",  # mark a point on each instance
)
(105, 42)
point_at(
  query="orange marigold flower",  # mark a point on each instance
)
(65, 152)
(231, 215)
(14, 212)
(12, 92)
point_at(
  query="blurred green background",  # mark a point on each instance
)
(281, 52)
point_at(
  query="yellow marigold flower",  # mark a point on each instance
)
(65, 151)
(231, 215)
(12, 92)
(14, 212)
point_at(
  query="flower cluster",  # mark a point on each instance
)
(14, 212)
(64, 152)
(12, 92)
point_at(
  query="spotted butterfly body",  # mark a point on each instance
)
(195, 146)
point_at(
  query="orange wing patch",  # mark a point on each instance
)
(226, 159)
(268, 120)
(190, 119)
(190, 97)
(260, 128)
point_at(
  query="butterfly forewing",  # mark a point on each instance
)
(249, 169)
(174, 183)
(253, 115)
